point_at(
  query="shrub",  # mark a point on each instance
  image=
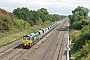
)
(77, 25)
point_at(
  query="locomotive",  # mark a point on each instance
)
(31, 38)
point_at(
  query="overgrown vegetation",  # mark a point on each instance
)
(80, 22)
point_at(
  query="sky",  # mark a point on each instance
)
(61, 7)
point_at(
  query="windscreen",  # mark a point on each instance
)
(24, 38)
(28, 38)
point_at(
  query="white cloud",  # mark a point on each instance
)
(54, 6)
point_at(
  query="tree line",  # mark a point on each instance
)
(36, 17)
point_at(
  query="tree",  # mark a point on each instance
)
(78, 14)
(43, 10)
(6, 20)
(77, 25)
(35, 16)
(43, 13)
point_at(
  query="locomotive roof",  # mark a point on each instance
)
(26, 36)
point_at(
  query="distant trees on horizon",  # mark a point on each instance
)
(32, 16)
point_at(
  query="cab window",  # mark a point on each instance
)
(24, 38)
(28, 38)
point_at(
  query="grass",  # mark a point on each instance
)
(10, 37)
(74, 34)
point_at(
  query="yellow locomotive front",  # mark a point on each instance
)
(26, 41)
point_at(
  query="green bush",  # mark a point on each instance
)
(77, 25)
(81, 41)
(85, 22)
(85, 50)
(21, 24)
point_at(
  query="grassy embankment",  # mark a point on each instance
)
(12, 36)
(74, 35)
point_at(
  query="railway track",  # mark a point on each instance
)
(19, 54)
(61, 49)
(48, 49)
(54, 52)
(9, 54)
(53, 48)
(8, 49)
